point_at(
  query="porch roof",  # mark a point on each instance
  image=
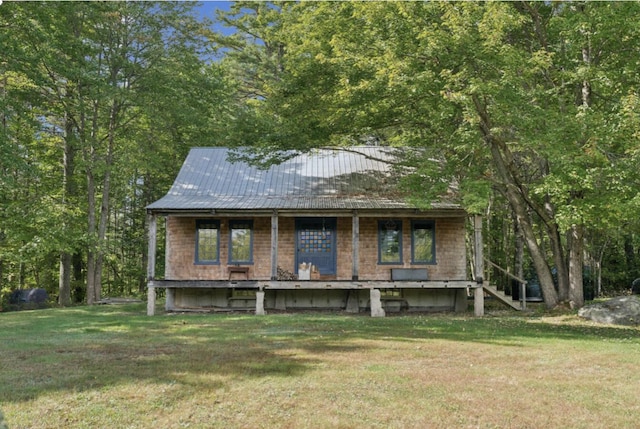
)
(361, 178)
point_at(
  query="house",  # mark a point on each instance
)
(323, 230)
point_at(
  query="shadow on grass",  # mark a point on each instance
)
(94, 347)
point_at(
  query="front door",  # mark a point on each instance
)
(316, 243)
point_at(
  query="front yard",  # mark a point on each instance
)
(112, 366)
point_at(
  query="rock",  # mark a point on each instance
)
(635, 287)
(23, 299)
(623, 310)
(37, 296)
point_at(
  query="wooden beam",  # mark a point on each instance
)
(478, 295)
(355, 245)
(314, 284)
(478, 302)
(274, 245)
(208, 284)
(151, 263)
(364, 212)
(507, 273)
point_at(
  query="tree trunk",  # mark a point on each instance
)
(537, 255)
(519, 251)
(555, 242)
(98, 228)
(576, 262)
(91, 254)
(560, 262)
(64, 282)
(104, 207)
(518, 202)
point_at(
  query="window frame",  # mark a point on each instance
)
(199, 227)
(432, 225)
(381, 226)
(233, 222)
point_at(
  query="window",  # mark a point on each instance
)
(240, 242)
(207, 242)
(423, 243)
(390, 242)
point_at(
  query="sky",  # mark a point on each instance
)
(208, 9)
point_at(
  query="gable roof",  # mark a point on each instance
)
(358, 178)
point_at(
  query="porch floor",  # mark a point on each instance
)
(313, 284)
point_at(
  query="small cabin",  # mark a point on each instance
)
(324, 230)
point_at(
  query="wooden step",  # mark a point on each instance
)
(501, 296)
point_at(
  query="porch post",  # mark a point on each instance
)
(355, 246)
(478, 292)
(274, 245)
(151, 264)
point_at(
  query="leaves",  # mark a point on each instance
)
(539, 98)
(100, 104)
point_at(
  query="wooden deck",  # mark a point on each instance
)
(312, 284)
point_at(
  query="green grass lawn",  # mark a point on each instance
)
(114, 367)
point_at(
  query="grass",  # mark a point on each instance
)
(112, 366)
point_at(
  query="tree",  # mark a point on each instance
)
(114, 93)
(528, 100)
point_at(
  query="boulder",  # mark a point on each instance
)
(623, 310)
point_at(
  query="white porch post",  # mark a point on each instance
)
(151, 264)
(355, 245)
(478, 292)
(274, 245)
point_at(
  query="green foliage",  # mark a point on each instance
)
(125, 89)
(116, 91)
(540, 98)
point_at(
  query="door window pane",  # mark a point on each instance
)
(241, 241)
(390, 242)
(207, 241)
(423, 242)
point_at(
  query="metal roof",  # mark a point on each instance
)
(358, 178)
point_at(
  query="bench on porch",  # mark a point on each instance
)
(409, 274)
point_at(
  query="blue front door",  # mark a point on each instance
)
(316, 243)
